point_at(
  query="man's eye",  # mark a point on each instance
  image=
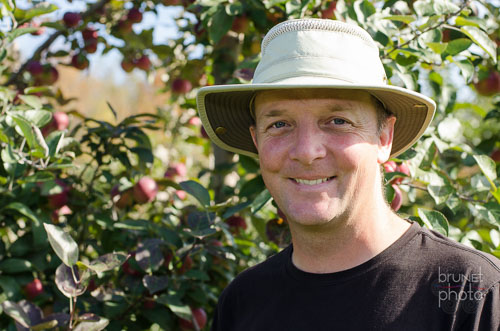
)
(339, 121)
(279, 124)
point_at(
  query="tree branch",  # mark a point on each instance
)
(38, 52)
(416, 36)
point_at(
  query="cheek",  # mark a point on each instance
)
(272, 154)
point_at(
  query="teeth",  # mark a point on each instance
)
(311, 182)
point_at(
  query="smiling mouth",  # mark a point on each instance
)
(312, 182)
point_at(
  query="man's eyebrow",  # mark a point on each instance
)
(273, 113)
(340, 107)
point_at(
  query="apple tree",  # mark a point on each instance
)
(140, 222)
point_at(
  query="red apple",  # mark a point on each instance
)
(145, 190)
(182, 195)
(167, 258)
(35, 68)
(172, 2)
(58, 200)
(203, 133)
(127, 65)
(199, 316)
(124, 27)
(495, 155)
(64, 210)
(149, 303)
(489, 85)
(181, 86)
(176, 170)
(194, 121)
(390, 166)
(61, 120)
(134, 15)
(187, 264)
(125, 199)
(92, 285)
(33, 289)
(398, 198)
(48, 77)
(143, 63)
(329, 12)
(89, 33)
(71, 19)
(80, 61)
(236, 223)
(129, 270)
(91, 46)
(240, 24)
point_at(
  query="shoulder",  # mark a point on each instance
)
(453, 257)
(260, 276)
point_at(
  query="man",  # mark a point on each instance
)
(322, 121)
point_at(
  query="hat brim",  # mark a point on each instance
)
(224, 112)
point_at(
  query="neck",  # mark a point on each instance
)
(345, 243)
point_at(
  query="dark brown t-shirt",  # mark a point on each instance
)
(423, 281)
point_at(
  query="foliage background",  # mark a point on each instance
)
(184, 249)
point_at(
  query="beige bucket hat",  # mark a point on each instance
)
(312, 54)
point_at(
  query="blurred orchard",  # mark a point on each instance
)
(116, 211)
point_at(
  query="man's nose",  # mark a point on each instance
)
(309, 145)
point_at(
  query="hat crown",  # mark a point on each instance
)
(316, 49)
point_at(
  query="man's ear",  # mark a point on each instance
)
(385, 140)
(254, 135)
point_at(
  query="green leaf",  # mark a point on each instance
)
(364, 9)
(440, 193)
(9, 286)
(9, 4)
(107, 262)
(45, 325)
(155, 283)
(434, 220)
(444, 7)
(16, 312)
(197, 190)
(62, 243)
(401, 18)
(466, 68)
(219, 24)
(54, 142)
(460, 20)
(36, 117)
(68, 282)
(13, 266)
(92, 325)
(19, 32)
(26, 130)
(233, 9)
(32, 101)
(488, 168)
(424, 8)
(481, 39)
(490, 212)
(41, 145)
(182, 311)
(134, 225)
(437, 48)
(234, 209)
(260, 201)
(39, 9)
(23, 210)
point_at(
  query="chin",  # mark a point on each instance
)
(312, 217)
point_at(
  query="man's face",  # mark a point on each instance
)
(320, 152)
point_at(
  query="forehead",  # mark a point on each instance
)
(359, 101)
